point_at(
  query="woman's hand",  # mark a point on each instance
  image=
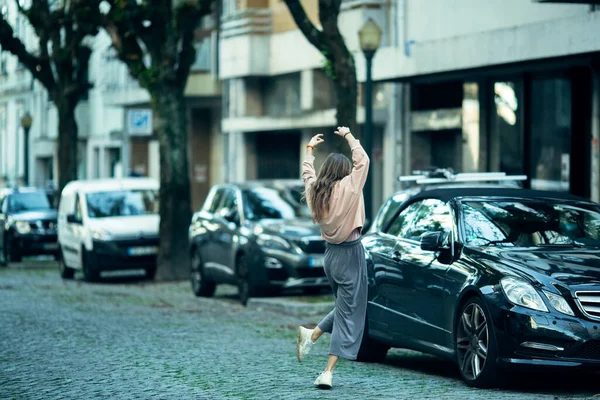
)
(316, 140)
(342, 131)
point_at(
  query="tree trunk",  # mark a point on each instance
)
(67, 145)
(345, 85)
(175, 206)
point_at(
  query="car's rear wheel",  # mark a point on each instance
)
(200, 285)
(245, 286)
(371, 350)
(90, 274)
(476, 348)
(65, 272)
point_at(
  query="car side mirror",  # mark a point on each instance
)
(433, 241)
(72, 219)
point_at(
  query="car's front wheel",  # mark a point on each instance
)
(90, 274)
(201, 286)
(65, 272)
(371, 350)
(245, 286)
(476, 348)
(11, 254)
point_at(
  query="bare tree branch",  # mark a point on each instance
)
(312, 34)
(40, 68)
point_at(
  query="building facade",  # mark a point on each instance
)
(500, 85)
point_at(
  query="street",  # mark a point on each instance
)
(129, 338)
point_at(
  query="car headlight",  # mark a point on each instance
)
(100, 234)
(559, 303)
(23, 227)
(522, 294)
(273, 242)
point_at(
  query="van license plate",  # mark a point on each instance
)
(142, 251)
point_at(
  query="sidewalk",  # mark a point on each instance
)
(294, 306)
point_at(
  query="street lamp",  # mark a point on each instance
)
(369, 37)
(26, 121)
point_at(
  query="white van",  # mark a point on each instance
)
(108, 225)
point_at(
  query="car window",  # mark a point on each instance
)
(388, 210)
(122, 203)
(216, 200)
(402, 222)
(29, 201)
(433, 216)
(3, 204)
(229, 203)
(78, 213)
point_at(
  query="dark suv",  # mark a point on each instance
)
(258, 236)
(27, 224)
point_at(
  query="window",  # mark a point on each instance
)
(20, 202)
(229, 203)
(216, 200)
(78, 213)
(400, 225)
(122, 203)
(388, 210)
(531, 223)
(433, 216)
(275, 203)
(3, 204)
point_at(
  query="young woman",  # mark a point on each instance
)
(336, 202)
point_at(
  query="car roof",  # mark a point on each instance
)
(100, 185)
(449, 193)
(270, 183)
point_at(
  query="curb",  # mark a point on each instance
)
(289, 307)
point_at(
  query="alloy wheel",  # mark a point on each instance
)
(472, 341)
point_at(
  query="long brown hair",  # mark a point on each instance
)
(334, 169)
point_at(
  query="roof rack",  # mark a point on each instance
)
(447, 176)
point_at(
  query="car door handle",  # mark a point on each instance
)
(396, 256)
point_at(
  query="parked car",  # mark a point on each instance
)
(258, 236)
(490, 278)
(27, 224)
(441, 177)
(108, 225)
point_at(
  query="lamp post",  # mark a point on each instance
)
(369, 37)
(26, 121)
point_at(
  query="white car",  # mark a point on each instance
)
(108, 224)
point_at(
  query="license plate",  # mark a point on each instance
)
(50, 246)
(316, 262)
(142, 251)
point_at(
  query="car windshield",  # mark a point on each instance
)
(275, 203)
(34, 201)
(122, 203)
(531, 223)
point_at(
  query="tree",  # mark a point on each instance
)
(339, 62)
(60, 63)
(155, 39)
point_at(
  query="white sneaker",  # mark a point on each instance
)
(304, 343)
(325, 380)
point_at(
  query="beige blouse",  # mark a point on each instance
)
(346, 215)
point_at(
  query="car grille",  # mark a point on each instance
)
(43, 225)
(312, 246)
(589, 303)
(587, 351)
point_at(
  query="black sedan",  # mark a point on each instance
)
(490, 278)
(27, 224)
(258, 236)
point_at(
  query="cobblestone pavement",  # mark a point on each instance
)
(132, 339)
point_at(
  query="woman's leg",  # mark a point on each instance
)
(316, 334)
(331, 363)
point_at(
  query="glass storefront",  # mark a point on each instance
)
(550, 151)
(506, 127)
